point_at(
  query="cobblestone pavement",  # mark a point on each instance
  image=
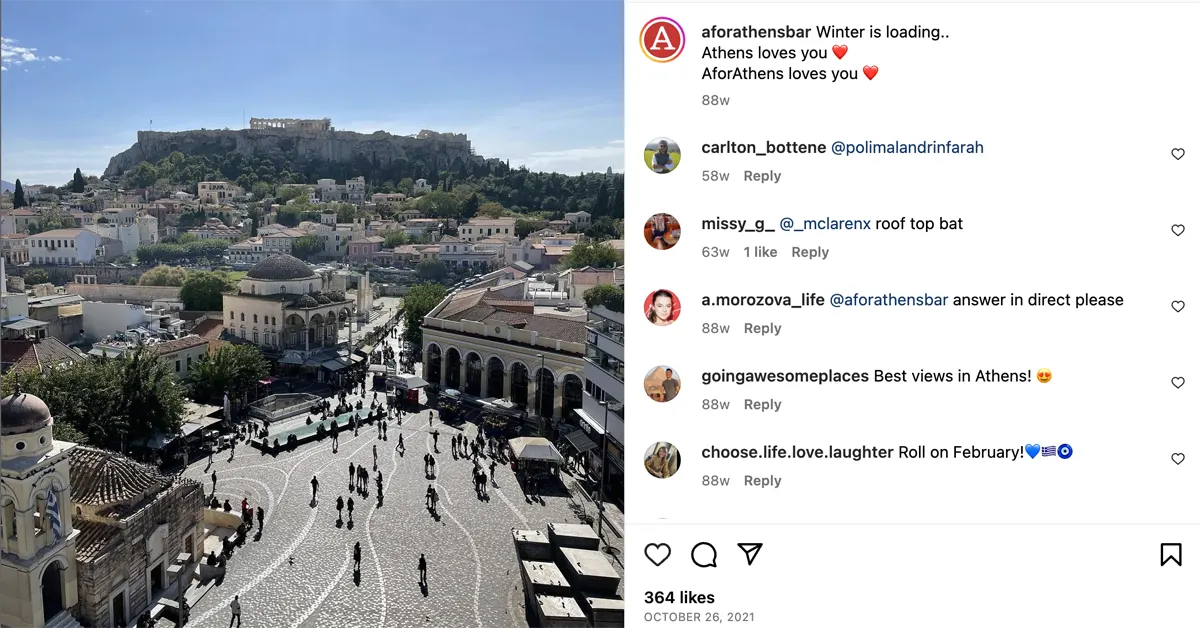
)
(301, 573)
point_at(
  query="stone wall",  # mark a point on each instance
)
(181, 507)
(120, 293)
(60, 275)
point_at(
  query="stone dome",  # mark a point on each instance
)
(280, 267)
(23, 413)
(306, 301)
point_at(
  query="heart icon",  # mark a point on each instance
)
(658, 553)
(1177, 153)
(1177, 458)
(1177, 382)
(1177, 305)
(870, 71)
(1032, 451)
(1177, 229)
(840, 51)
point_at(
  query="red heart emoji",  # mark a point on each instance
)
(840, 51)
(870, 71)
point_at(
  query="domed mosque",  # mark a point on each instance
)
(81, 527)
(283, 306)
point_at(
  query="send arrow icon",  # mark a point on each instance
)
(751, 551)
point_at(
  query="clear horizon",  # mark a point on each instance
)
(103, 75)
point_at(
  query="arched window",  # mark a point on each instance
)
(256, 318)
(243, 333)
(230, 314)
(243, 317)
(272, 320)
(253, 289)
(283, 289)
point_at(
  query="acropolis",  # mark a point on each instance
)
(292, 124)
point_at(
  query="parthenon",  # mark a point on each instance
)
(292, 124)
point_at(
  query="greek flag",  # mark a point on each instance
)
(55, 518)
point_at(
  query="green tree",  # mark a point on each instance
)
(525, 227)
(163, 275)
(432, 270)
(18, 196)
(346, 212)
(594, 254)
(395, 238)
(490, 209)
(439, 204)
(608, 295)
(233, 369)
(417, 303)
(202, 290)
(261, 190)
(304, 246)
(50, 219)
(37, 276)
(78, 184)
(112, 401)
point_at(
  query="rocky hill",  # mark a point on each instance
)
(439, 151)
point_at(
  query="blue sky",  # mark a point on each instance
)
(535, 82)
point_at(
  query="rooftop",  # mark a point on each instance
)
(36, 354)
(104, 478)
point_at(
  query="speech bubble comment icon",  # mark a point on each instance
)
(704, 554)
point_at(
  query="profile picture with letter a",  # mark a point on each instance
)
(662, 39)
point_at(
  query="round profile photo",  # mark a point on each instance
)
(662, 231)
(662, 155)
(662, 460)
(662, 307)
(662, 384)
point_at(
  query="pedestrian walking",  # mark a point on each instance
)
(214, 479)
(357, 555)
(400, 441)
(211, 449)
(375, 454)
(235, 607)
(340, 504)
(350, 507)
(259, 515)
(422, 570)
(315, 484)
(430, 419)
(435, 437)
(492, 470)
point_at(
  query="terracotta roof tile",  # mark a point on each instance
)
(95, 537)
(36, 354)
(104, 478)
(171, 346)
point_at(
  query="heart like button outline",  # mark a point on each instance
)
(1177, 229)
(1178, 153)
(1177, 305)
(656, 546)
(1177, 458)
(1177, 382)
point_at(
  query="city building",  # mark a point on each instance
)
(421, 186)
(217, 192)
(603, 410)
(65, 246)
(576, 281)
(18, 220)
(280, 304)
(479, 228)
(391, 200)
(363, 250)
(455, 252)
(214, 229)
(251, 251)
(14, 249)
(579, 220)
(487, 342)
(352, 191)
(181, 353)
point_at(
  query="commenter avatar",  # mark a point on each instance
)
(662, 155)
(662, 460)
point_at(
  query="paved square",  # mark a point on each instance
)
(473, 573)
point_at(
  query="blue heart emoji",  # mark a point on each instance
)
(1033, 450)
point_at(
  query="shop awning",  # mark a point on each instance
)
(334, 365)
(291, 357)
(535, 448)
(268, 381)
(366, 349)
(408, 381)
(590, 422)
(356, 358)
(580, 441)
